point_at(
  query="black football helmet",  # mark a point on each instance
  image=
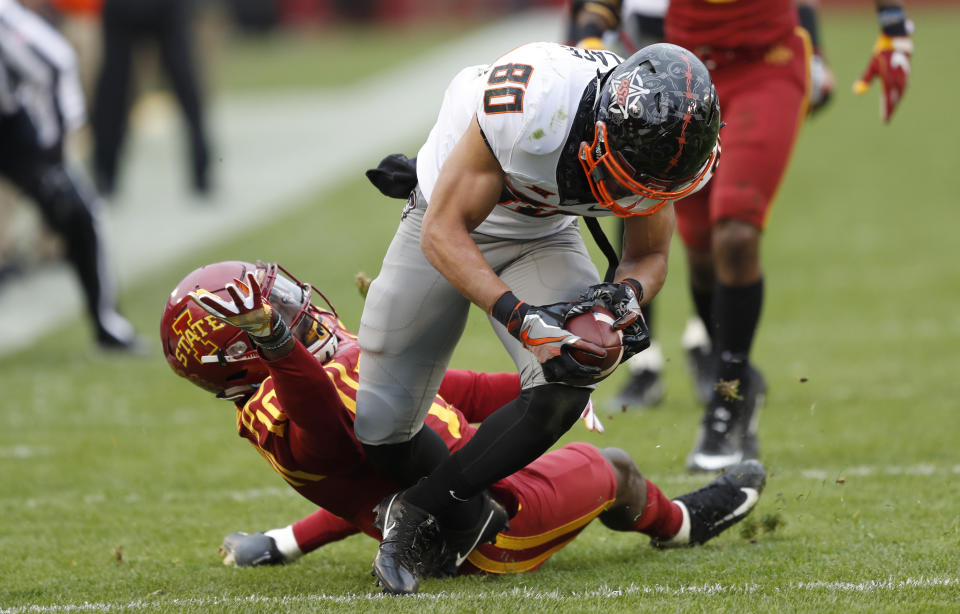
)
(657, 131)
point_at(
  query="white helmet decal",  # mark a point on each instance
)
(625, 93)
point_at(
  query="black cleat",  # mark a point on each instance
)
(728, 431)
(250, 550)
(719, 505)
(409, 533)
(644, 389)
(457, 545)
(116, 334)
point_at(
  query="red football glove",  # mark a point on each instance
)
(891, 62)
(246, 310)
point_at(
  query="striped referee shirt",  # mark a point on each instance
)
(38, 74)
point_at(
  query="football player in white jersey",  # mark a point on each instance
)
(521, 149)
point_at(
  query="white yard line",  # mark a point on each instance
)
(889, 585)
(270, 150)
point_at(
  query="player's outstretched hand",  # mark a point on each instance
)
(890, 60)
(623, 299)
(245, 309)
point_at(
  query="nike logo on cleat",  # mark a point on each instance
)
(461, 558)
(752, 497)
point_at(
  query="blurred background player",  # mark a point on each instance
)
(127, 23)
(761, 61)
(625, 27)
(40, 103)
(250, 333)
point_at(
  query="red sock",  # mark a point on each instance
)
(661, 517)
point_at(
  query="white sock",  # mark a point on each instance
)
(286, 543)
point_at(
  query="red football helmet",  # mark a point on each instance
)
(221, 358)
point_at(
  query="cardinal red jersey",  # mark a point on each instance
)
(301, 422)
(728, 24)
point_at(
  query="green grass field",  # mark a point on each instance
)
(119, 479)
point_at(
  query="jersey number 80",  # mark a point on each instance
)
(507, 98)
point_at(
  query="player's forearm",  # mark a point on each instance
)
(646, 249)
(302, 386)
(650, 271)
(452, 252)
(466, 192)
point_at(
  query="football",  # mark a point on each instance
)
(597, 326)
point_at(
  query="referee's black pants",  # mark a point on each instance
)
(68, 204)
(125, 24)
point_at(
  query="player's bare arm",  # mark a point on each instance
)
(466, 192)
(646, 245)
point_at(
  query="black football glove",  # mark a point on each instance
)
(540, 329)
(623, 300)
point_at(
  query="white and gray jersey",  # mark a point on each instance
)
(38, 74)
(525, 103)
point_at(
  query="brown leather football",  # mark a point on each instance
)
(597, 326)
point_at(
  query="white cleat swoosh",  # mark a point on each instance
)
(752, 497)
(386, 514)
(460, 559)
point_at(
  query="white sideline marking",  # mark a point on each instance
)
(603, 592)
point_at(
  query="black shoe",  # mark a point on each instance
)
(643, 389)
(457, 545)
(409, 534)
(720, 504)
(116, 334)
(250, 550)
(728, 431)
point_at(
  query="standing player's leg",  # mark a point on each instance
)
(763, 108)
(112, 98)
(525, 428)
(179, 59)
(411, 323)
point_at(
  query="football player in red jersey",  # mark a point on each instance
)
(760, 61)
(250, 333)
